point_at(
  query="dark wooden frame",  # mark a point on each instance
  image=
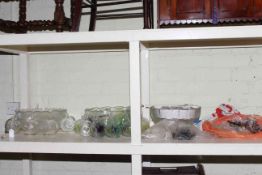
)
(60, 22)
(96, 14)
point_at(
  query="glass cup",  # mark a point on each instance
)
(67, 124)
(85, 128)
(119, 122)
(98, 118)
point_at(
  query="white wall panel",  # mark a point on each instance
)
(80, 168)
(78, 81)
(6, 88)
(208, 78)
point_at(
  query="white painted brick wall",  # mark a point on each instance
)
(10, 167)
(207, 77)
(78, 81)
(80, 168)
(6, 87)
(5, 10)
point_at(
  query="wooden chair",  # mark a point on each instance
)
(59, 23)
(110, 9)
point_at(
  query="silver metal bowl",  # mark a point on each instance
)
(190, 112)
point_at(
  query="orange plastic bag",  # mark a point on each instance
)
(213, 127)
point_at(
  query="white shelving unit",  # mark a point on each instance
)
(139, 42)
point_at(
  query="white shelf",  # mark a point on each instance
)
(34, 40)
(70, 143)
(65, 143)
(137, 43)
(211, 149)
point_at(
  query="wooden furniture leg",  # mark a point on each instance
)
(148, 14)
(92, 23)
(76, 10)
(151, 13)
(22, 25)
(59, 15)
(145, 12)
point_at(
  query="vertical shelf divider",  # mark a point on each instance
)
(22, 93)
(27, 166)
(145, 81)
(135, 94)
(135, 103)
(136, 164)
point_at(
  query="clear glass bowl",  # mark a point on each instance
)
(109, 121)
(38, 121)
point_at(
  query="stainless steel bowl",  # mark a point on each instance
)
(190, 112)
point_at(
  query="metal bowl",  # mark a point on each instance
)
(190, 112)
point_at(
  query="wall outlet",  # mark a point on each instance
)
(12, 107)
